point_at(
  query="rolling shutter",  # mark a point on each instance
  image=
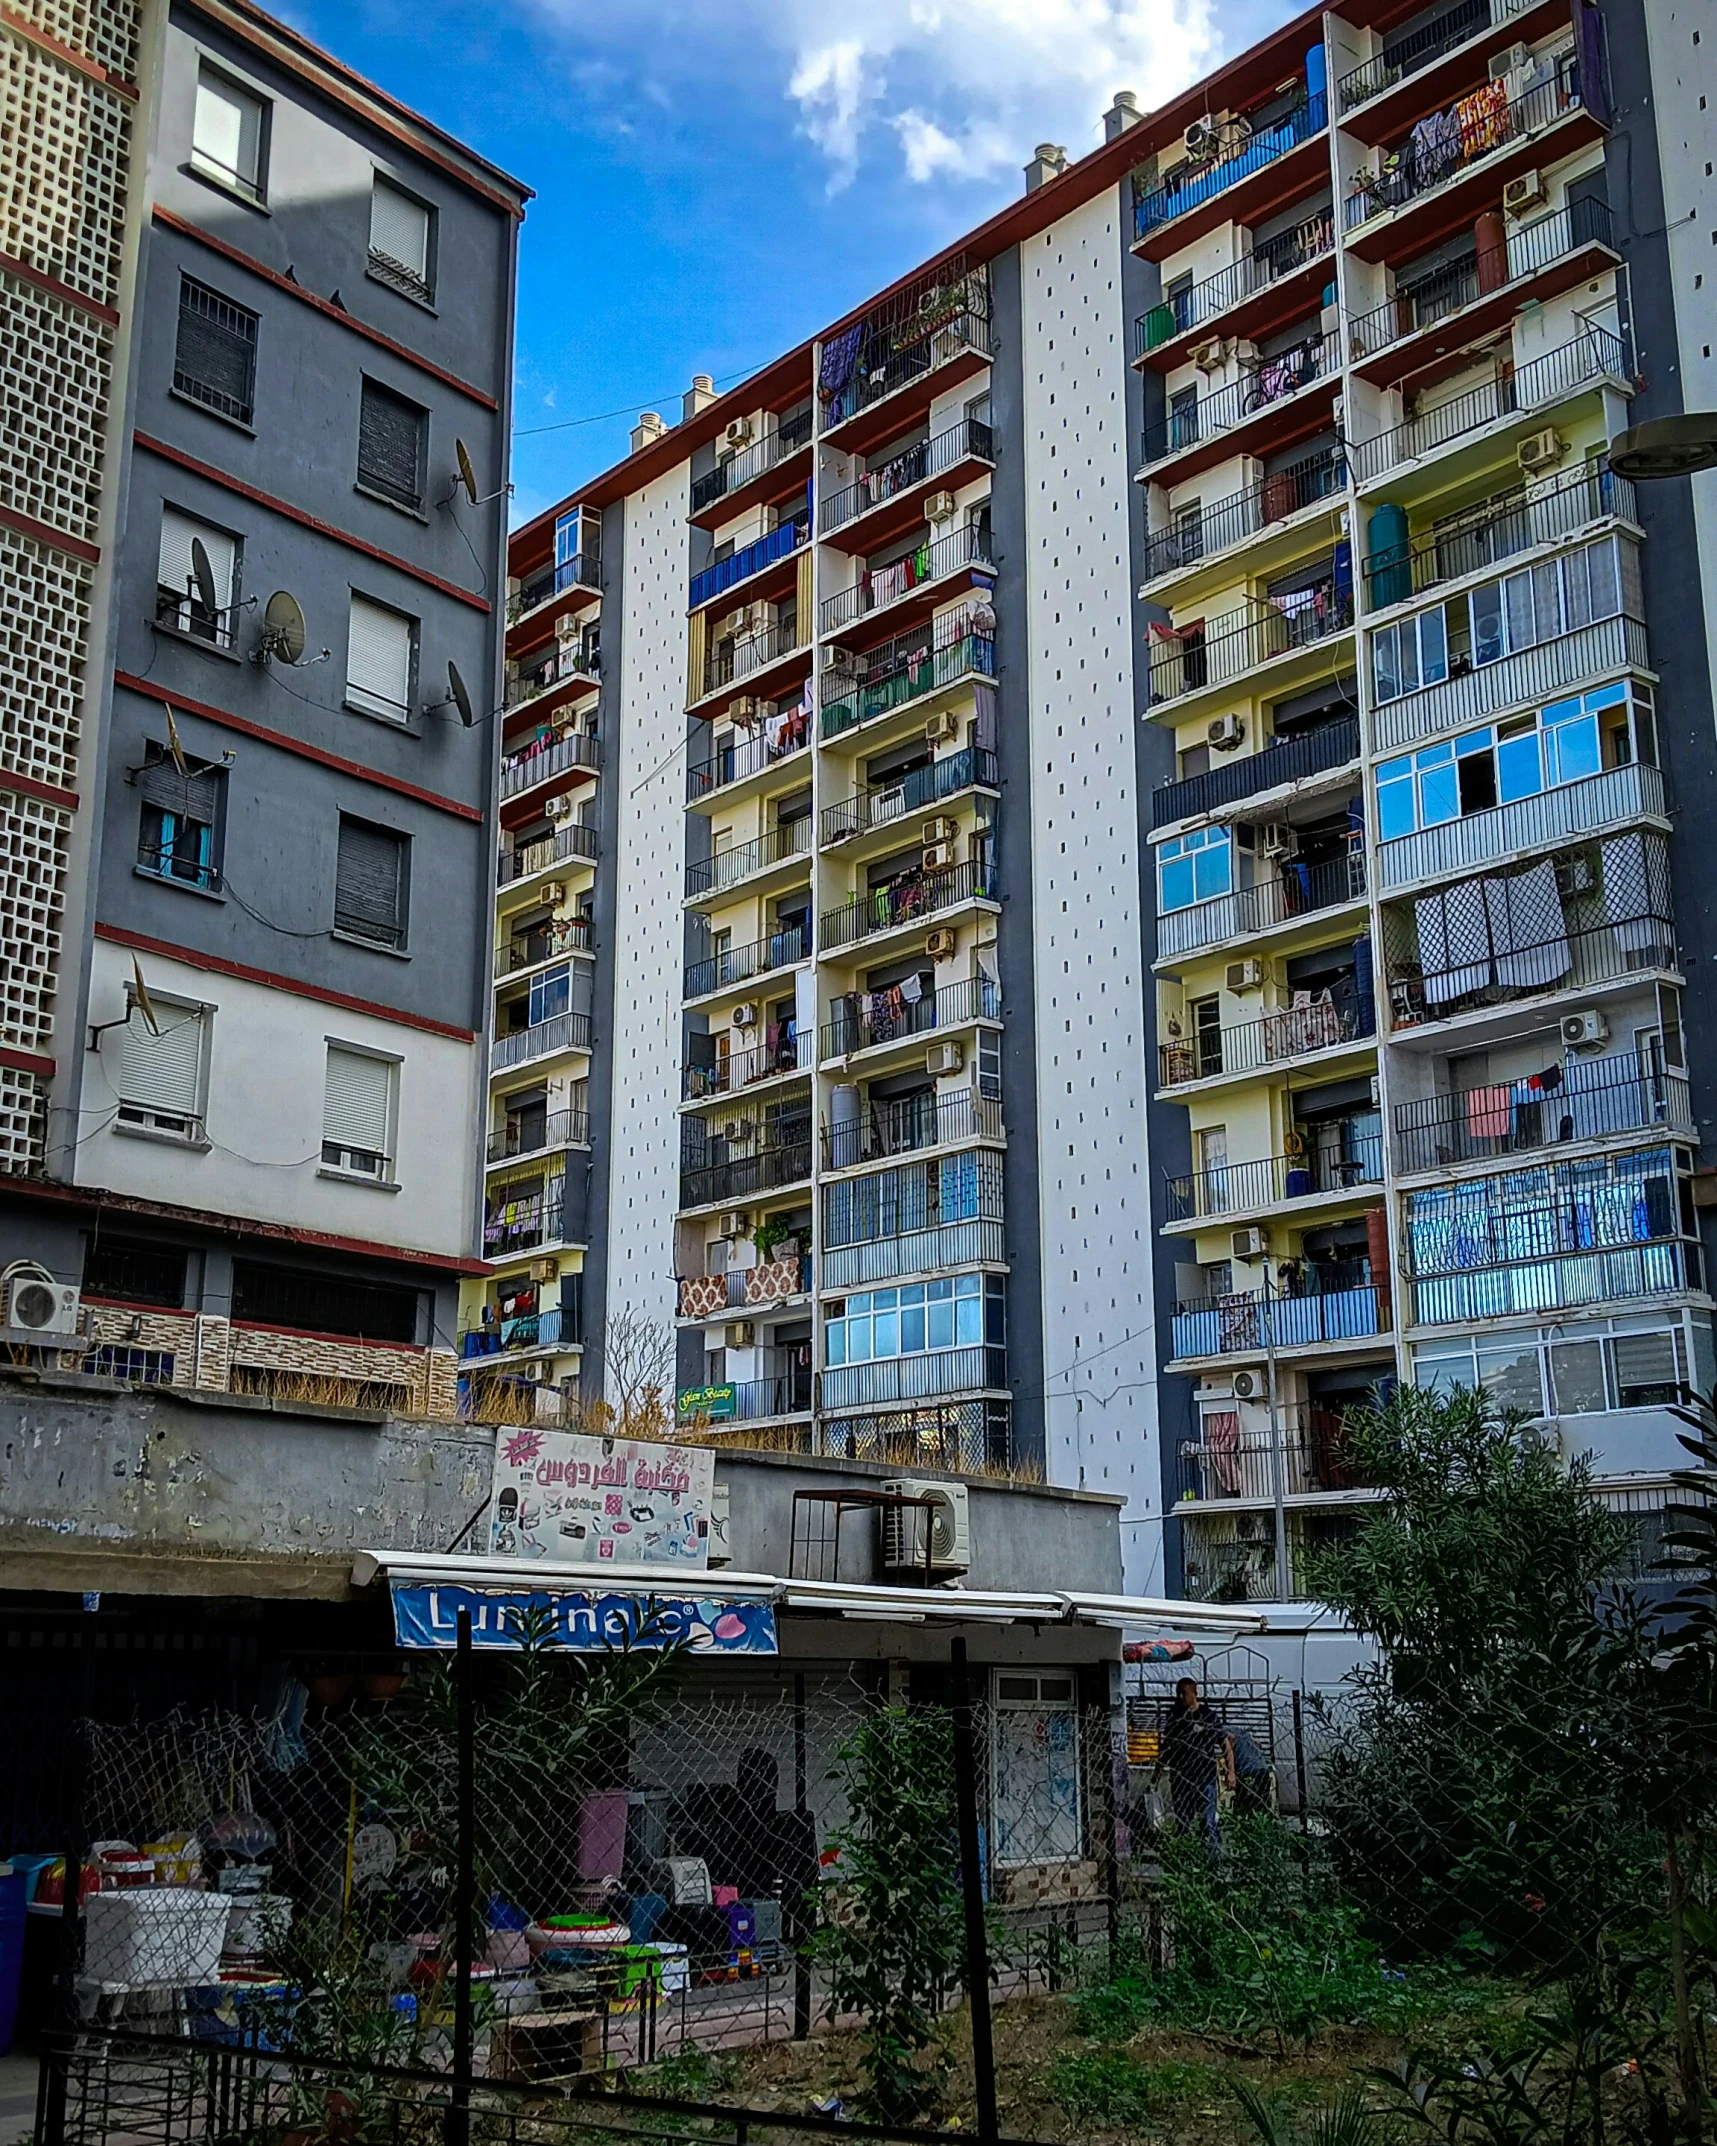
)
(214, 357)
(369, 883)
(378, 659)
(356, 1106)
(399, 229)
(174, 571)
(163, 1072)
(390, 436)
(193, 796)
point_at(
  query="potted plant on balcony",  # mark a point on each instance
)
(768, 1236)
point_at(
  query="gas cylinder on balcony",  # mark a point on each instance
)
(1493, 250)
(1377, 1255)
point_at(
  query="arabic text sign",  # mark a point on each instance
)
(583, 1623)
(583, 1500)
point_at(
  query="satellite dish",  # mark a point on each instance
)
(467, 475)
(203, 574)
(141, 1000)
(283, 627)
(458, 695)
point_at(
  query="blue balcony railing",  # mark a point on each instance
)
(1192, 185)
(1242, 1325)
(751, 559)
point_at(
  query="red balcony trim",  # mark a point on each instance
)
(26, 1062)
(28, 786)
(26, 525)
(92, 70)
(56, 289)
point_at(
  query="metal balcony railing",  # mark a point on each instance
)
(706, 1078)
(747, 756)
(1467, 981)
(1438, 157)
(1240, 1187)
(904, 669)
(570, 935)
(915, 895)
(1420, 48)
(582, 571)
(968, 440)
(565, 844)
(544, 758)
(1232, 1325)
(939, 1250)
(879, 587)
(532, 680)
(1261, 387)
(1497, 530)
(521, 1217)
(560, 1032)
(866, 1018)
(738, 964)
(731, 661)
(1313, 752)
(728, 867)
(1187, 311)
(555, 1129)
(1535, 674)
(1542, 1288)
(784, 1161)
(1301, 890)
(1219, 650)
(1191, 185)
(728, 476)
(891, 347)
(1232, 1463)
(1277, 1039)
(548, 1328)
(1619, 796)
(786, 1392)
(1198, 533)
(773, 1281)
(750, 559)
(901, 1125)
(914, 1378)
(919, 791)
(1593, 1099)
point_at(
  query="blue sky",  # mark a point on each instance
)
(716, 181)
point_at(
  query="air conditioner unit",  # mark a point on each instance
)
(1276, 839)
(937, 1538)
(552, 891)
(1209, 356)
(735, 1223)
(1586, 1030)
(1376, 1092)
(1523, 194)
(720, 1522)
(559, 808)
(741, 1334)
(535, 1373)
(1246, 1385)
(739, 433)
(736, 1129)
(1513, 59)
(743, 707)
(47, 1308)
(1226, 732)
(1203, 138)
(1540, 450)
(936, 856)
(1250, 1244)
(942, 944)
(941, 829)
(545, 1270)
(939, 507)
(745, 1014)
(940, 729)
(944, 1058)
(1247, 975)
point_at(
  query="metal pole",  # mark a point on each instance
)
(1278, 1457)
(972, 1897)
(1300, 1756)
(798, 1913)
(55, 2077)
(464, 1887)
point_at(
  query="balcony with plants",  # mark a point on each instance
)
(888, 498)
(1236, 1459)
(1271, 282)
(759, 465)
(913, 1218)
(1238, 170)
(862, 690)
(743, 567)
(579, 575)
(1195, 535)
(1328, 748)
(1337, 1304)
(908, 588)
(1577, 1101)
(1203, 900)
(1275, 401)
(879, 372)
(1436, 57)
(562, 669)
(1232, 1558)
(1209, 654)
(549, 940)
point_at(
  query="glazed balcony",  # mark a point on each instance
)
(1545, 1288)
(877, 374)
(931, 1376)
(917, 583)
(544, 942)
(542, 1039)
(532, 1136)
(1237, 187)
(1627, 796)
(583, 572)
(1595, 1099)
(1299, 381)
(1535, 674)
(905, 669)
(544, 759)
(710, 1076)
(749, 561)
(733, 484)
(944, 1248)
(1303, 890)
(1322, 751)
(567, 845)
(1199, 534)
(1347, 1308)
(719, 874)
(1240, 1188)
(736, 965)
(884, 804)
(1217, 651)
(909, 900)
(1279, 1039)
(783, 1159)
(1497, 530)
(772, 1281)
(1234, 1463)
(1459, 31)
(888, 499)
(768, 746)
(1256, 295)
(870, 1020)
(905, 1125)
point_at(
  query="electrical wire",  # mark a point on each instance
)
(600, 417)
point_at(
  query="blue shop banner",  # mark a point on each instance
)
(585, 1623)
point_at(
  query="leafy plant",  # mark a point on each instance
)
(1347, 2121)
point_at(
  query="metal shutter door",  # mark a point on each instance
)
(399, 228)
(378, 657)
(368, 882)
(163, 1072)
(355, 1109)
(389, 432)
(174, 571)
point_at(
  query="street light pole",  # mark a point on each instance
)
(1278, 1456)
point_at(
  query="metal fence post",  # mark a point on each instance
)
(464, 1886)
(1300, 1758)
(798, 1911)
(54, 2080)
(972, 1896)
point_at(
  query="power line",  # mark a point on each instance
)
(571, 424)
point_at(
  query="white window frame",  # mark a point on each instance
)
(418, 273)
(250, 186)
(341, 1164)
(177, 1120)
(226, 560)
(368, 699)
(1064, 1702)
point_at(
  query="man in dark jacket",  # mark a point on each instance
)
(1199, 1753)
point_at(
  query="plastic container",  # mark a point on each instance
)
(30, 1869)
(165, 1935)
(256, 1921)
(676, 1968)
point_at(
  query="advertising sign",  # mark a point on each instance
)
(584, 1622)
(574, 1499)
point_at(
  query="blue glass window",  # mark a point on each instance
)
(1194, 868)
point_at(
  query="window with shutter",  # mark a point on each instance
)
(160, 1078)
(400, 231)
(370, 883)
(214, 359)
(357, 1111)
(379, 648)
(177, 828)
(229, 133)
(178, 600)
(390, 445)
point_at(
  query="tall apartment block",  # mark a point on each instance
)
(259, 312)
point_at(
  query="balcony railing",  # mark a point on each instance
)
(555, 1129)
(914, 895)
(916, 333)
(544, 758)
(1420, 48)
(1594, 354)
(727, 867)
(784, 439)
(1198, 533)
(1277, 1039)
(1619, 796)
(1239, 1187)
(1191, 185)
(1541, 1288)
(1271, 381)
(900, 1125)
(922, 789)
(1498, 530)
(743, 1069)
(731, 661)
(1219, 650)
(969, 440)
(560, 1032)
(548, 1328)
(1434, 157)
(1313, 752)
(1591, 1099)
(784, 1161)
(750, 559)
(561, 847)
(583, 571)
(1481, 976)
(1536, 674)
(914, 1378)
(1301, 891)
(783, 1392)
(1236, 1325)
(525, 1216)
(940, 1250)
(878, 587)
(772, 1281)
(866, 1018)
(1232, 1463)
(570, 935)
(905, 670)
(777, 740)
(1530, 248)
(1187, 311)
(738, 964)
(532, 680)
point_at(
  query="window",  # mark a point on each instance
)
(134, 1272)
(322, 1303)
(390, 445)
(357, 1111)
(1587, 1369)
(550, 994)
(176, 830)
(160, 1077)
(401, 236)
(1034, 1787)
(1194, 868)
(229, 135)
(961, 1313)
(1565, 742)
(380, 660)
(214, 359)
(370, 883)
(180, 599)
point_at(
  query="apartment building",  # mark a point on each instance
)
(248, 1002)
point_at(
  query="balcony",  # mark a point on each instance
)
(573, 664)
(547, 1329)
(749, 560)
(1272, 384)
(1498, 529)
(1233, 1462)
(1272, 267)
(531, 1212)
(868, 1020)
(522, 1136)
(1303, 890)
(729, 1074)
(542, 1039)
(1345, 1309)
(1279, 1039)
(912, 579)
(1217, 651)
(941, 1249)
(903, 1125)
(1619, 797)
(1421, 48)
(915, 1378)
(583, 571)
(920, 791)
(874, 375)
(734, 965)
(908, 899)
(1200, 533)
(907, 668)
(784, 1390)
(739, 472)
(1194, 186)
(1314, 752)
(1543, 1288)
(1592, 357)
(1238, 1188)
(575, 844)
(544, 758)
(775, 740)
(728, 868)
(1535, 674)
(772, 1281)
(568, 935)
(732, 663)
(885, 500)
(783, 1159)
(1590, 1099)
(1232, 1557)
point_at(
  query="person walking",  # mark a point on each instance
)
(1199, 1754)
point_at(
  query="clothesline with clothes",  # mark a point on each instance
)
(1599, 1204)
